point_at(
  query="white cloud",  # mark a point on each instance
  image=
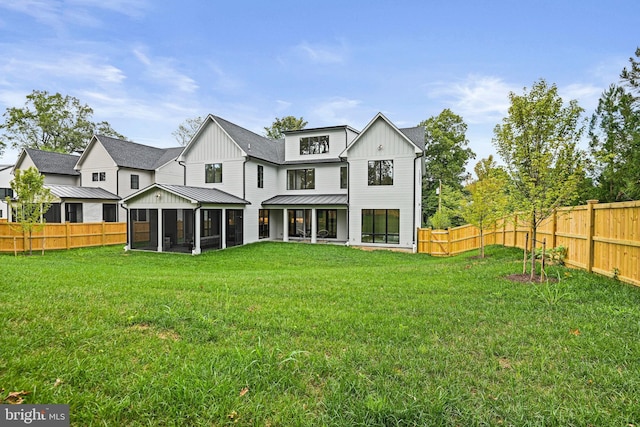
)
(478, 99)
(587, 95)
(335, 111)
(322, 54)
(164, 72)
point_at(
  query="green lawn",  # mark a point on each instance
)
(275, 334)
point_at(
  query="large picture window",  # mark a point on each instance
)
(381, 226)
(314, 144)
(380, 172)
(213, 173)
(301, 179)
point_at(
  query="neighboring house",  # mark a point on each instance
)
(72, 203)
(125, 167)
(331, 184)
(57, 168)
(5, 189)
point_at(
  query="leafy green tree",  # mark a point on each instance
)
(32, 201)
(53, 123)
(279, 126)
(488, 197)
(538, 144)
(447, 212)
(446, 155)
(614, 140)
(187, 130)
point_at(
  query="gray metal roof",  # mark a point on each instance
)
(415, 134)
(312, 199)
(49, 162)
(203, 195)
(302, 162)
(73, 192)
(137, 156)
(253, 144)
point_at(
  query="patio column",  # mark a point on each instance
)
(223, 232)
(314, 225)
(197, 219)
(285, 225)
(160, 233)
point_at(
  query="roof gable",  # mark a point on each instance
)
(193, 194)
(132, 155)
(251, 144)
(410, 135)
(49, 162)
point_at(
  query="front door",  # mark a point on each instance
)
(234, 227)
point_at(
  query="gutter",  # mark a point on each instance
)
(184, 172)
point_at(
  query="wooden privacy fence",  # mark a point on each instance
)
(599, 238)
(62, 236)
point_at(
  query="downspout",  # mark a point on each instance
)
(415, 231)
(244, 178)
(184, 172)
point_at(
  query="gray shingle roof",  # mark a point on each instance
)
(53, 163)
(137, 156)
(253, 144)
(73, 192)
(312, 199)
(416, 135)
(204, 195)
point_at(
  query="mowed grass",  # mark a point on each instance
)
(275, 334)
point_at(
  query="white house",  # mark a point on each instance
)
(5, 189)
(330, 184)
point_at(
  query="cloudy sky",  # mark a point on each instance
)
(147, 65)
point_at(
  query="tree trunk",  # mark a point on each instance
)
(481, 244)
(533, 251)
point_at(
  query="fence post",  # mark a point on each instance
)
(449, 241)
(67, 228)
(554, 227)
(590, 232)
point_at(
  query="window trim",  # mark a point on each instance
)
(136, 178)
(213, 173)
(260, 176)
(301, 179)
(377, 178)
(318, 144)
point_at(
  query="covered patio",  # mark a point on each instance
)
(175, 218)
(312, 218)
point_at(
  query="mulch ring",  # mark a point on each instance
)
(526, 278)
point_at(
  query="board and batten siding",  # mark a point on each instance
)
(159, 199)
(98, 160)
(382, 142)
(215, 146)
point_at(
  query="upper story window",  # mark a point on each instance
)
(301, 179)
(135, 182)
(260, 176)
(99, 176)
(213, 173)
(344, 177)
(314, 144)
(380, 172)
(5, 192)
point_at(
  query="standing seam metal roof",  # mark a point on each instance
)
(204, 195)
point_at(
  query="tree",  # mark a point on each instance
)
(279, 126)
(537, 142)
(32, 201)
(614, 140)
(446, 155)
(53, 123)
(631, 76)
(488, 200)
(187, 130)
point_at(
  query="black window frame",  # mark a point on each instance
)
(380, 172)
(73, 213)
(318, 144)
(301, 179)
(327, 221)
(213, 173)
(260, 176)
(110, 212)
(135, 182)
(344, 177)
(376, 231)
(263, 224)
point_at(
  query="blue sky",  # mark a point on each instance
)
(147, 65)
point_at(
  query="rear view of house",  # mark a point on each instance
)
(330, 184)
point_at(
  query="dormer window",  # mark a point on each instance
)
(314, 144)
